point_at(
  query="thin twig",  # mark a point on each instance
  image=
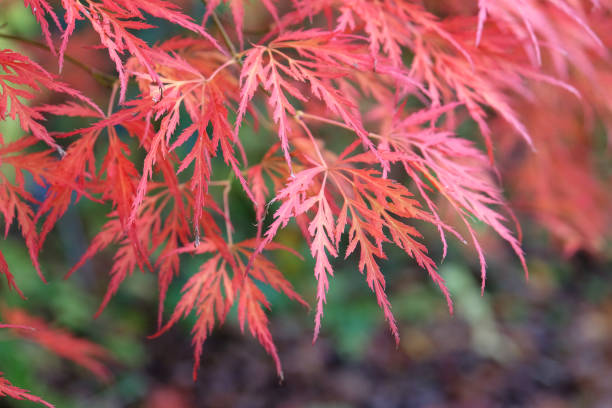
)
(298, 119)
(111, 101)
(228, 222)
(100, 77)
(302, 114)
(224, 34)
(227, 187)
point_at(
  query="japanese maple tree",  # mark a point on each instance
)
(364, 99)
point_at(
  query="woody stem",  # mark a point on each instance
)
(228, 222)
(226, 38)
(100, 77)
(227, 184)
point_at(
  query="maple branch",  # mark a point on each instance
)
(263, 119)
(99, 76)
(228, 222)
(225, 36)
(218, 183)
(227, 184)
(111, 101)
(221, 68)
(298, 118)
(302, 114)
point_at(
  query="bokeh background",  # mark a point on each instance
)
(543, 342)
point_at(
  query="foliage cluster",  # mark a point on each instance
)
(365, 100)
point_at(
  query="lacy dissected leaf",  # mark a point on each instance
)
(376, 205)
(391, 80)
(9, 390)
(21, 80)
(445, 59)
(194, 80)
(264, 270)
(10, 279)
(321, 57)
(383, 23)
(578, 218)
(121, 176)
(531, 19)
(169, 234)
(16, 202)
(383, 28)
(125, 260)
(370, 205)
(273, 168)
(119, 188)
(112, 20)
(150, 234)
(88, 355)
(237, 8)
(76, 172)
(212, 291)
(251, 311)
(455, 168)
(496, 70)
(321, 229)
(41, 9)
(296, 199)
(252, 302)
(116, 181)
